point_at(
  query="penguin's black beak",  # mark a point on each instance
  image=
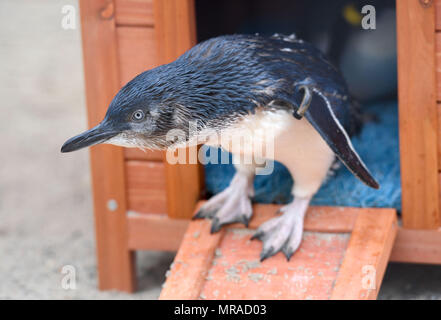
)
(99, 134)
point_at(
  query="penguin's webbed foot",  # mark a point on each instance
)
(230, 206)
(283, 233)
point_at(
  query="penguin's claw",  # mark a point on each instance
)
(282, 233)
(232, 205)
(267, 253)
(237, 209)
(257, 235)
(216, 223)
(209, 208)
(202, 214)
(288, 252)
(245, 220)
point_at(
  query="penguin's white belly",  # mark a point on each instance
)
(274, 135)
(277, 135)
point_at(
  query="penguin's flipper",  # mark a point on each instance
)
(317, 110)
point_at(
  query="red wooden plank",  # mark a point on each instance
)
(417, 246)
(366, 257)
(146, 191)
(134, 12)
(226, 265)
(418, 115)
(149, 232)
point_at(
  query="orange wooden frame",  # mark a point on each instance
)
(115, 260)
(418, 115)
(123, 37)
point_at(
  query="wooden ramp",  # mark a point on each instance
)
(343, 255)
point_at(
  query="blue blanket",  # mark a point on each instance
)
(377, 145)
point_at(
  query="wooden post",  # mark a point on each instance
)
(418, 118)
(115, 261)
(175, 33)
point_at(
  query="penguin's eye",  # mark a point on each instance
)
(138, 115)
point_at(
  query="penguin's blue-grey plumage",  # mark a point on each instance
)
(233, 75)
(251, 84)
(225, 77)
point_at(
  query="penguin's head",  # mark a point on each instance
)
(140, 115)
(208, 86)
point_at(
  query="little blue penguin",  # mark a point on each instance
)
(279, 92)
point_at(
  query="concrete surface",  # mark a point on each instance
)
(45, 204)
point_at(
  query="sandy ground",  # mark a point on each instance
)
(45, 204)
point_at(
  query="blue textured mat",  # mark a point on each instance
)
(378, 147)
